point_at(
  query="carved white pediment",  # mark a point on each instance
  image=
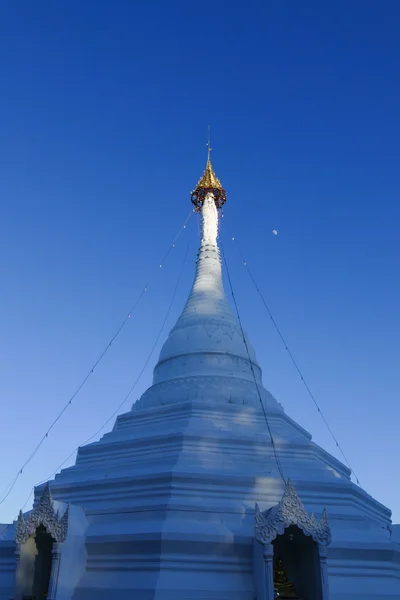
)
(290, 511)
(43, 514)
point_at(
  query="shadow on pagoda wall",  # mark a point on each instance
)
(296, 566)
(228, 437)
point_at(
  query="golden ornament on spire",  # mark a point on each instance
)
(209, 179)
(208, 184)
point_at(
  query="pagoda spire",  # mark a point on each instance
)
(206, 355)
(207, 298)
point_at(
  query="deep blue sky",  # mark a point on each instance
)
(104, 108)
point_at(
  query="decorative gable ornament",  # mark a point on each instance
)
(290, 511)
(43, 514)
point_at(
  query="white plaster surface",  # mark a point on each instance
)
(73, 553)
(396, 533)
(7, 561)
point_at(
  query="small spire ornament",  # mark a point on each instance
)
(208, 184)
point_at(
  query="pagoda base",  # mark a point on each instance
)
(169, 496)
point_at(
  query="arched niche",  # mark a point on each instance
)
(296, 565)
(287, 532)
(43, 563)
(38, 536)
(35, 566)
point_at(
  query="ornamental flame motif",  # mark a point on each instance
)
(44, 514)
(290, 511)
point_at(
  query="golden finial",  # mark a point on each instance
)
(209, 178)
(208, 183)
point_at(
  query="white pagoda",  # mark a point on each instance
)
(205, 489)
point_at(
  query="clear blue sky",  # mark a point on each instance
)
(104, 108)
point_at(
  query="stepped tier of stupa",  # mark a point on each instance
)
(189, 498)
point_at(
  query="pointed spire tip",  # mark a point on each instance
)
(208, 184)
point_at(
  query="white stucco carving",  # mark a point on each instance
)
(231, 389)
(290, 511)
(43, 514)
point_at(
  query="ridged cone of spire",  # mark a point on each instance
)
(209, 178)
